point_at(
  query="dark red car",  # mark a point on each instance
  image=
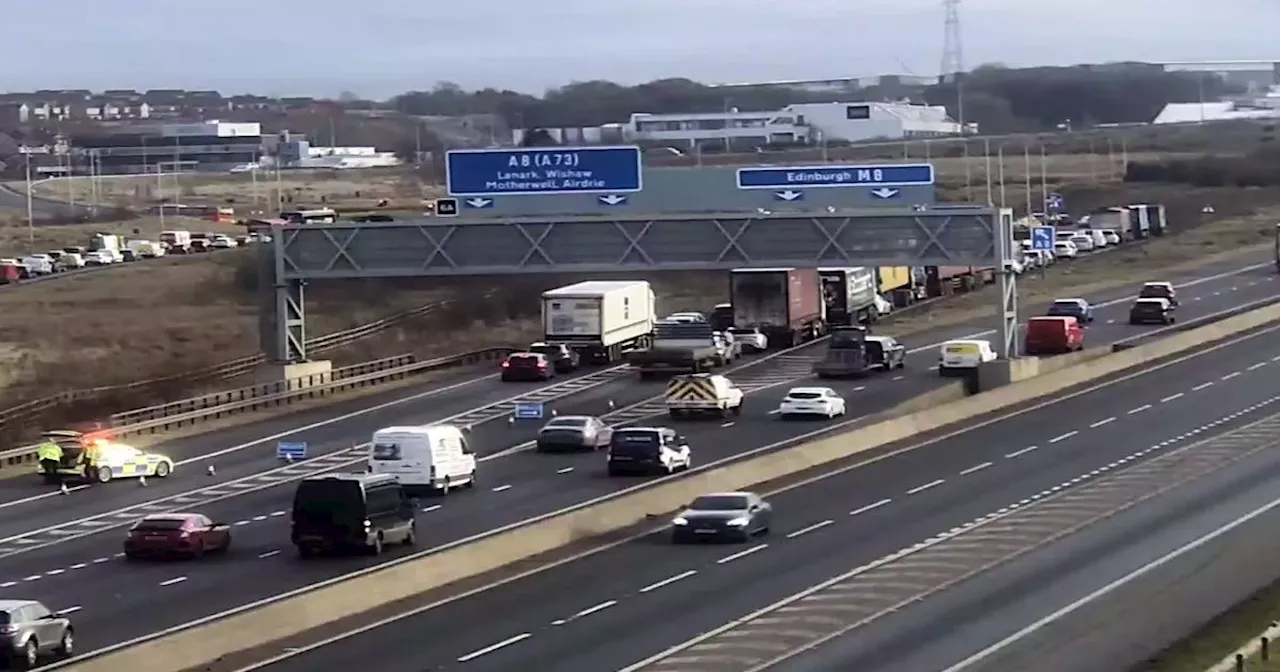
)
(176, 535)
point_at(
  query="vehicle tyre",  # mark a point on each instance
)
(471, 481)
(671, 468)
(1172, 320)
(1133, 321)
(411, 538)
(306, 552)
(611, 472)
(198, 552)
(101, 475)
(28, 657)
(737, 410)
(376, 548)
(223, 549)
(902, 363)
(66, 647)
(444, 486)
(163, 470)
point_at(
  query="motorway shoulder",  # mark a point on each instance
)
(655, 595)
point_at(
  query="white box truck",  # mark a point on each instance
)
(600, 318)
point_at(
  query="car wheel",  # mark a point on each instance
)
(223, 548)
(29, 656)
(102, 475)
(163, 469)
(376, 548)
(67, 647)
(411, 537)
(198, 552)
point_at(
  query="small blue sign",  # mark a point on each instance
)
(1055, 203)
(612, 199)
(796, 177)
(291, 450)
(528, 410)
(549, 170)
(478, 203)
(1043, 237)
(788, 196)
(885, 193)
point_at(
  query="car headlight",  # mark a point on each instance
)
(739, 522)
(680, 521)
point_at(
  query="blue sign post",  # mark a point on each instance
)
(1055, 203)
(1043, 237)
(815, 177)
(528, 410)
(475, 174)
(291, 450)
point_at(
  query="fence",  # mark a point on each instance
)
(193, 411)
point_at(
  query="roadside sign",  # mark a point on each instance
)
(528, 410)
(446, 207)
(1043, 237)
(291, 450)
(543, 171)
(812, 177)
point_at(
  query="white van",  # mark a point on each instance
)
(434, 457)
(963, 355)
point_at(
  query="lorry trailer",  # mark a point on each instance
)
(785, 304)
(680, 347)
(849, 295)
(599, 319)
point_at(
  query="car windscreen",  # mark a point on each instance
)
(328, 501)
(634, 444)
(162, 525)
(804, 395)
(719, 503)
(847, 339)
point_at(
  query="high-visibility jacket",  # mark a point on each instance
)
(49, 451)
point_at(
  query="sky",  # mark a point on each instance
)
(378, 48)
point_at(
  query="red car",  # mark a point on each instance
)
(176, 534)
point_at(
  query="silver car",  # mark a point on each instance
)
(30, 630)
(725, 515)
(573, 432)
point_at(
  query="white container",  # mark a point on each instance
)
(600, 317)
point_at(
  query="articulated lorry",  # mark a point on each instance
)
(785, 304)
(849, 295)
(1149, 218)
(680, 347)
(600, 319)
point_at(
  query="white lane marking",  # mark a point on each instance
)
(898, 378)
(99, 561)
(80, 565)
(1171, 398)
(276, 514)
(174, 581)
(1020, 453)
(429, 509)
(564, 471)
(268, 554)
(1201, 386)
(1102, 422)
(975, 468)
(921, 488)
(8, 584)
(859, 388)
(1139, 409)
(68, 610)
(741, 554)
(726, 424)
(33, 577)
(55, 572)
(1229, 376)
(494, 647)
(242, 522)
(500, 488)
(806, 530)
(870, 507)
(1064, 437)
(591, 610)
(259, 519)
(669, 580)
(1257, 366)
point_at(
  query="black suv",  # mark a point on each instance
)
(1149, 311)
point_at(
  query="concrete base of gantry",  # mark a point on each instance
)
(297, 376)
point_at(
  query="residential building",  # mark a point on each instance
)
(800, 123)
(204, 146)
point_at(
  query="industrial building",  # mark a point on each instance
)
(203, 146)
(801, 123)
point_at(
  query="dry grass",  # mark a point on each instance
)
(1222, 636)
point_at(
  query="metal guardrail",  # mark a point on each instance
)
(271, 395)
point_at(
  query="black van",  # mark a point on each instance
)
(334, 512)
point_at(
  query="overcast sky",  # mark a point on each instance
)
(377, 48)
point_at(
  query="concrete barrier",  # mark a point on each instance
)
(289, 615)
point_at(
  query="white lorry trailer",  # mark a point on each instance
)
(600, 318)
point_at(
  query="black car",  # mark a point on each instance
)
(647, 450)
(885, 352)
(362, 512)
(527, 366)
(726, 515)
(1077, 308)
(1151, 311)
(560, 355)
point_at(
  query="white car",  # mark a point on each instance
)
(1112, 236)
(751, 339)
(687, 318)
(223, 243)
(99, 258)
(810, 401)
(1065, 249)
(1083, 242)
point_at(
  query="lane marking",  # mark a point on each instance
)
(494, 647)
(68, 610)
(1257, 366)
(268, 554)
(174, 581)
(1229, 376)
(1202, 386)
(975, 468)
(806, 530)
(669, 580)
(591, 610)
(1064, 437)
(1171, 398)
(741, 554)
(564, 471)
(926, 486)
(500, 488)
(870, 507)
(1020, 453)
(429, 509)
(1139, 409)
(1102, 422)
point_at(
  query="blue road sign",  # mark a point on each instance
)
(788, 196)
(291, 450)
(550, 170)
(528, 410)
(797, 177)
(1055, 203)
(1042, 237)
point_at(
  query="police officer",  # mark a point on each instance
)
(50, 455)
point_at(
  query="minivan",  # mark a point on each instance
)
(1053, 335)
(434, 458)
(363, 512)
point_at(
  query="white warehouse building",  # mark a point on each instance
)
(805, 123)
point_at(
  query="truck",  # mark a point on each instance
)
(600, 319)
(1123, 220)
(109, 243)
(846, 353)
(679, 347)
(948, 280)
(849, 295)
(177, 241)
(785, 304)
(1149, 217)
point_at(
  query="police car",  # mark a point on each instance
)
(117, 460)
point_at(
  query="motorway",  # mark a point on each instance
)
(67, 553)
(642, 597)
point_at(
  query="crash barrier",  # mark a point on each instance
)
(200, 643)
(19, 415)
(268, 395)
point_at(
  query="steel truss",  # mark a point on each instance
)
(434, 247)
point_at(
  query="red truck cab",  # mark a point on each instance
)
(1053, 335)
